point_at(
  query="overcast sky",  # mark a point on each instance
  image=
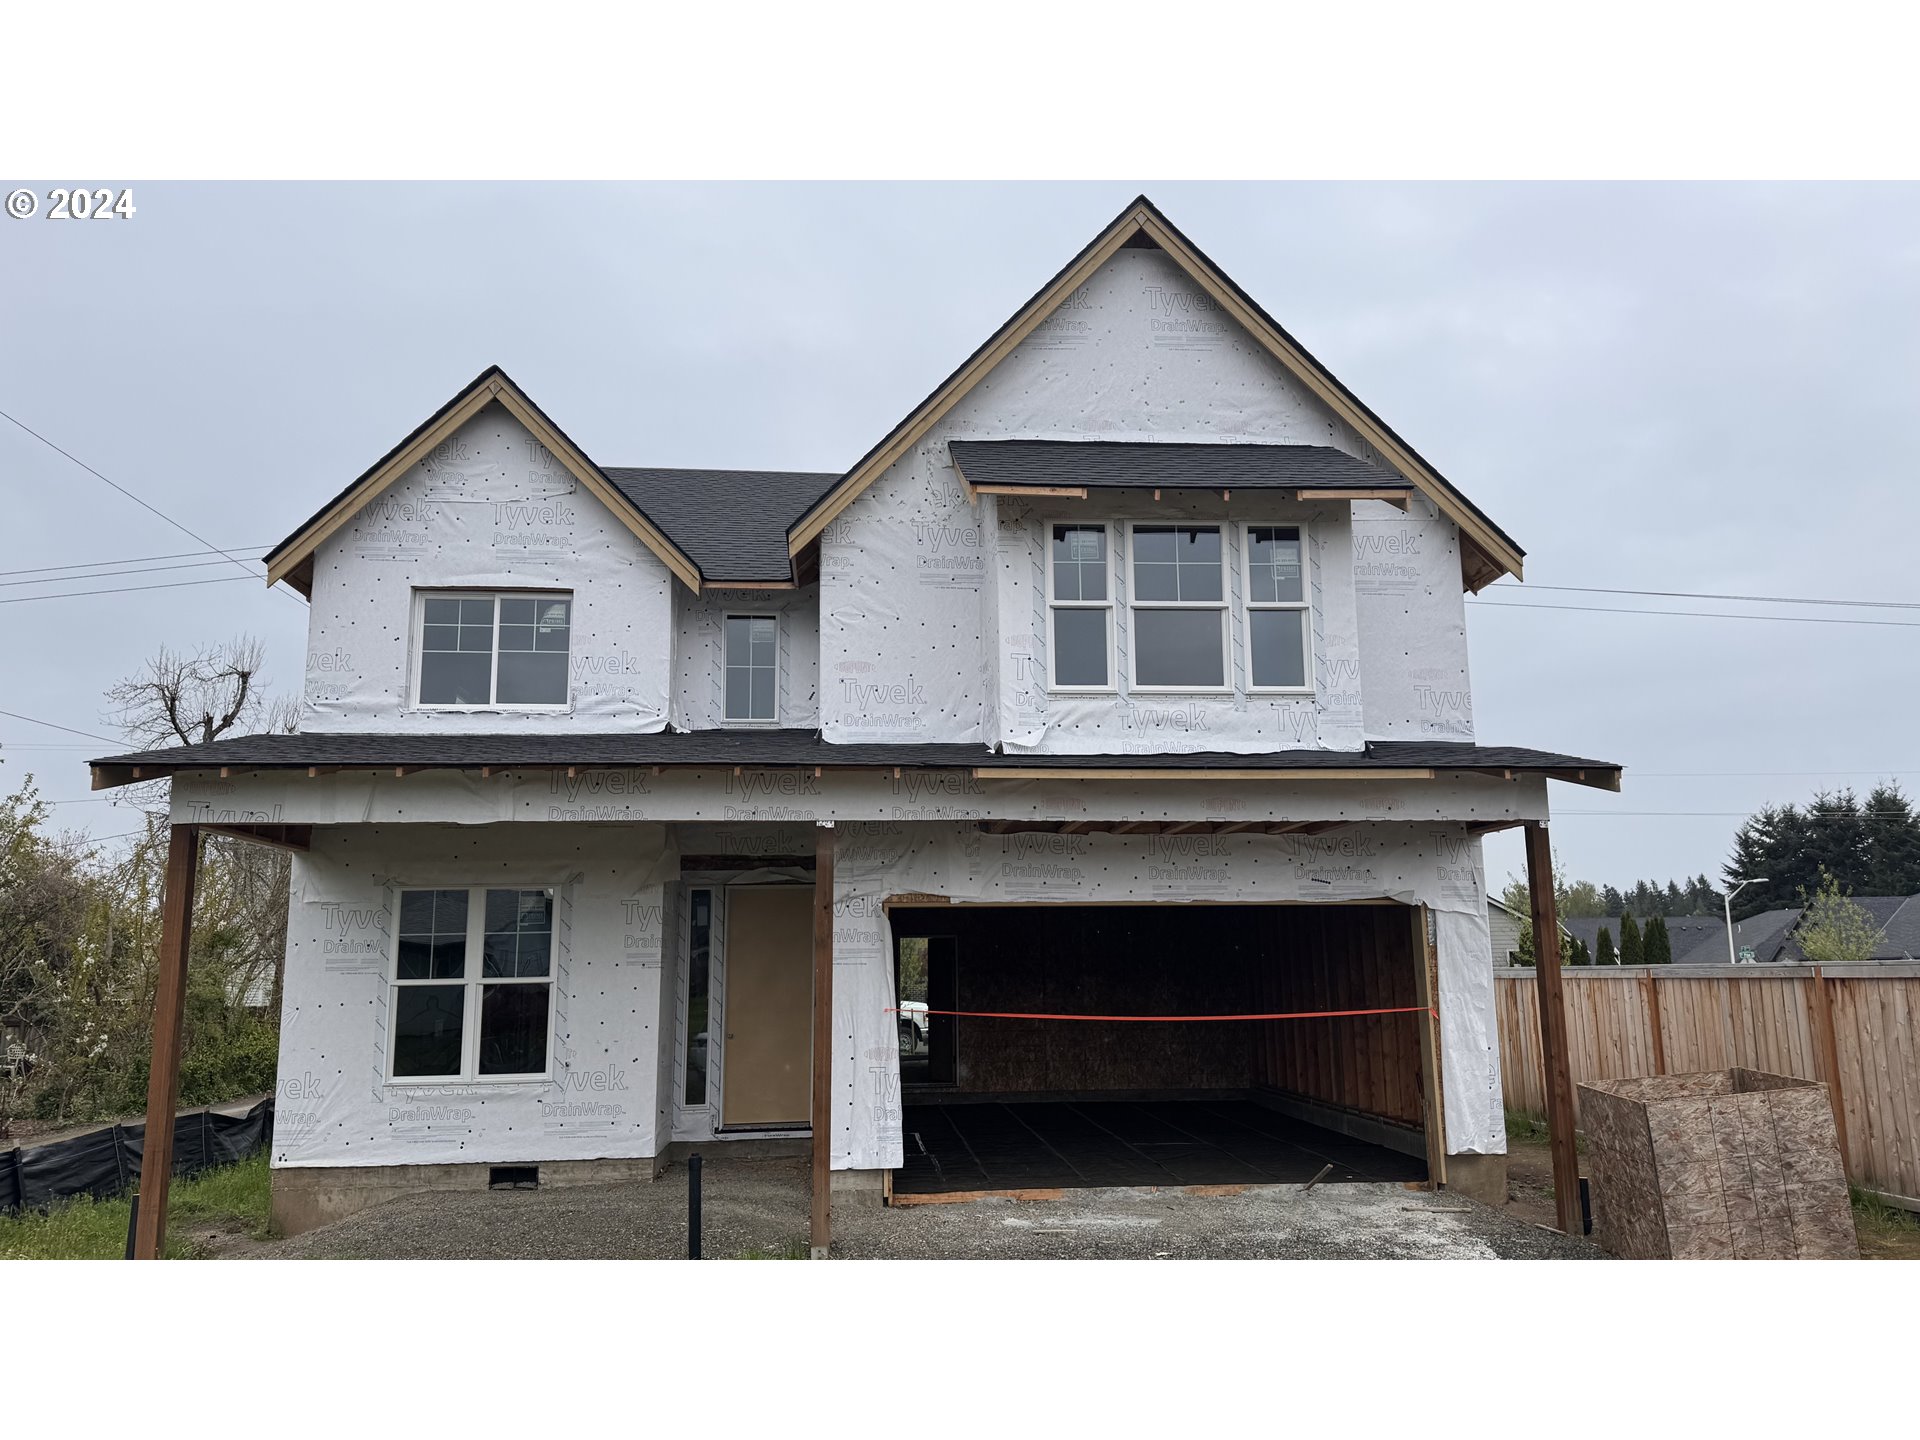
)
(1679, 388)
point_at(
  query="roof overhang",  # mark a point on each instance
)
(804, 751)
(1075, 469)
(1486, 553)
(292, 559)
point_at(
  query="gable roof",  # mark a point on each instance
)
(733, 523)
(1487, 551)
(1113, 465)
(291, 560)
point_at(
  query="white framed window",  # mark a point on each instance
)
(752, 659)
(1177, 607)
(1279, 610)
(1079, 608)
(492, 650)
(472, 986)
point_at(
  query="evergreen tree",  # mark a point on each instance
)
(1611, 900)
(1604, 953)
(1657, 948)
(1630, 953)
(1577, 952)
(1645, 899)
(1677, 902)
(1892, 833)
(1840, 839)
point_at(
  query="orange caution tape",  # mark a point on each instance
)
(1290, 1015)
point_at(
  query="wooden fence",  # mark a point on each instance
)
(1851, 1027)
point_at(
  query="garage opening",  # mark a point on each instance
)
(995, 1103)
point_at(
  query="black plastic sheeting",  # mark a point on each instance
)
(105, 1163)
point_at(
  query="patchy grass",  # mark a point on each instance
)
(1524, 1129)
(200, 1211)
(1886, 1231)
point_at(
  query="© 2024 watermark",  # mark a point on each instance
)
(71, 203)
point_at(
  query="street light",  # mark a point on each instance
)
(1732, 959)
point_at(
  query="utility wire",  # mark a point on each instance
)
(129, 560)
(191, 535)
(1701, 614)
(1708, 595)
(122, 589)
(111, 574)
(84, 734)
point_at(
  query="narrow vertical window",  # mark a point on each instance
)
(753, 667)
(1279, 629)
(1080, 609)
(1178, 608)
(699, 953)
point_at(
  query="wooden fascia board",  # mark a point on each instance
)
(494, 388)
(962, 381)
(1176, 773)
(1057, 492)
(1309, 373)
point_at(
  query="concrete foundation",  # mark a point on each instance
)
(307, 1197)
(1478, 1177)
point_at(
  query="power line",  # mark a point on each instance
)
(1709, 595)
(111, 574)
(122, 589)
(129, 560)
(1746, 814)
(211, 547)
(1701, 614)
(84, 734)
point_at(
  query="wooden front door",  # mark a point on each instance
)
(768, 1070)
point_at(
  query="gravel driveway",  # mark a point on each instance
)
(759, 1209)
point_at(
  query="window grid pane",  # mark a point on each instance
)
(1177, 563)
(433, 935)
(1080, 562)
(466, 658)
(519, 935)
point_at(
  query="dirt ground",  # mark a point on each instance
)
(758, 1210)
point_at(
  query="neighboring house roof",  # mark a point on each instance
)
(292, 559)
(1487, 551)
(1384, 759)
(733, 523)
(1685, 932)
(1104, 465)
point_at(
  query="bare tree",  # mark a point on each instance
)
(181, 699)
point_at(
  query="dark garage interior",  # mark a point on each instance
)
(1016, 1104)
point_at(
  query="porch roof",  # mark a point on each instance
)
(805, 749)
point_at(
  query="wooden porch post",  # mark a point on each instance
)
(1553, 1027)
(822, 1107)
(169, 1007)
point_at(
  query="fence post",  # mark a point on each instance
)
(1654, 1024)
(1830, 1063)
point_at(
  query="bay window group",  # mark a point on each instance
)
(1177, 607)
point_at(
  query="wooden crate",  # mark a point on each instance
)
(1721, 1165)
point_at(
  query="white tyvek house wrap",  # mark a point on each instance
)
(1413, 622)
(1137, 353)
(490, 508)
(336, 1105)
(1033, 721)
(736, 803)
(1432, 865)
(699, 666)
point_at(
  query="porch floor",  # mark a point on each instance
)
(953, 1148)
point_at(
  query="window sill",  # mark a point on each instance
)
(1162, 691)
(472, 1082)
(492, 709)
(1279, 692)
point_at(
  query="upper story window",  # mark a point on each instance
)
(493, 650)
(753, 668)
(1179, 608)
(1177, 604)
(1279, 630)
(1080, 608)
(472, 988)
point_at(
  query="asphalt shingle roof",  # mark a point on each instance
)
(787, 747)
(731, 523)
(1110, 465)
